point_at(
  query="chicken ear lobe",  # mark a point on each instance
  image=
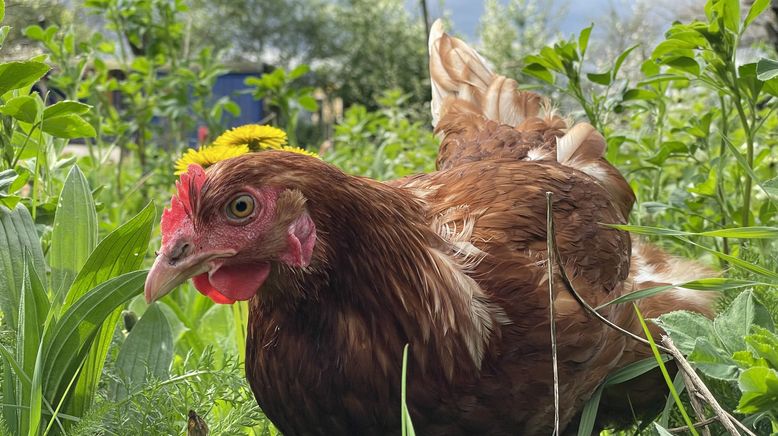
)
(300, 239)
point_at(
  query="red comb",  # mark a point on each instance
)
(190, 183)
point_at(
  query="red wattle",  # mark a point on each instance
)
(204, 286)
(229, 283)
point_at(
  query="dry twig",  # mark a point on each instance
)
(552, 318)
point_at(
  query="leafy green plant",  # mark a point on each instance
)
(280, 91)
(737, 348)
(389, 143)
(566, 58)
(51, 378)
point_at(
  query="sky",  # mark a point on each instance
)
(466, 13)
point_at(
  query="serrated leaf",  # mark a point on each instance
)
(685, 327)
(713, 361)
(735, 322)
(146, 353)
(764, 343)
(15, 75)
(74, 234)
(23, 108)
(68, 126)
(69, 340)
(760, 390)
(65, 107)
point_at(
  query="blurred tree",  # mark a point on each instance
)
(22, 13)
(511, 31)
(357, 48)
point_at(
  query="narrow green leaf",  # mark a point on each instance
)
(620, 60)
(146, 353)
(405, 417)
(756, 269)
(744, 164)
(583, 39)
(661, 430)
(754, 232)
(15, 75)
(36, 393)
(69, 340)
(120, 252)
(633, 370)
(74, 235)
(715, 284)
(666, 375)
(17, 235)
(33, 309)
(589, 414)
(754, 11)
(2, 10)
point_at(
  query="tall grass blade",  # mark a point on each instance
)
(146, 354)
(666, 375)
(715, 284)
(33, 309)
(753, 232)
(405, 417)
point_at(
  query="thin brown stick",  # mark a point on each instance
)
(704, 423)
(569, 284)
(552, 318)
(699, 410)
(683, 365)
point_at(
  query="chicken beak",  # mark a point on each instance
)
(166, 273)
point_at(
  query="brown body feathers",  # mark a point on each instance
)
(454, 264)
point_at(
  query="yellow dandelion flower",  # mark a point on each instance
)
(299, 150)
(256, 136)
(209, 155)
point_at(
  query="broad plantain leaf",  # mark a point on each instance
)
(17, 235)
(74, 235)
(69, 340)
(146, 353)
(120, 252)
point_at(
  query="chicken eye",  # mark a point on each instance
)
(240, 207)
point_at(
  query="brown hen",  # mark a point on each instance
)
(343, 271)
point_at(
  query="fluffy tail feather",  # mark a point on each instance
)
(481, 115)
